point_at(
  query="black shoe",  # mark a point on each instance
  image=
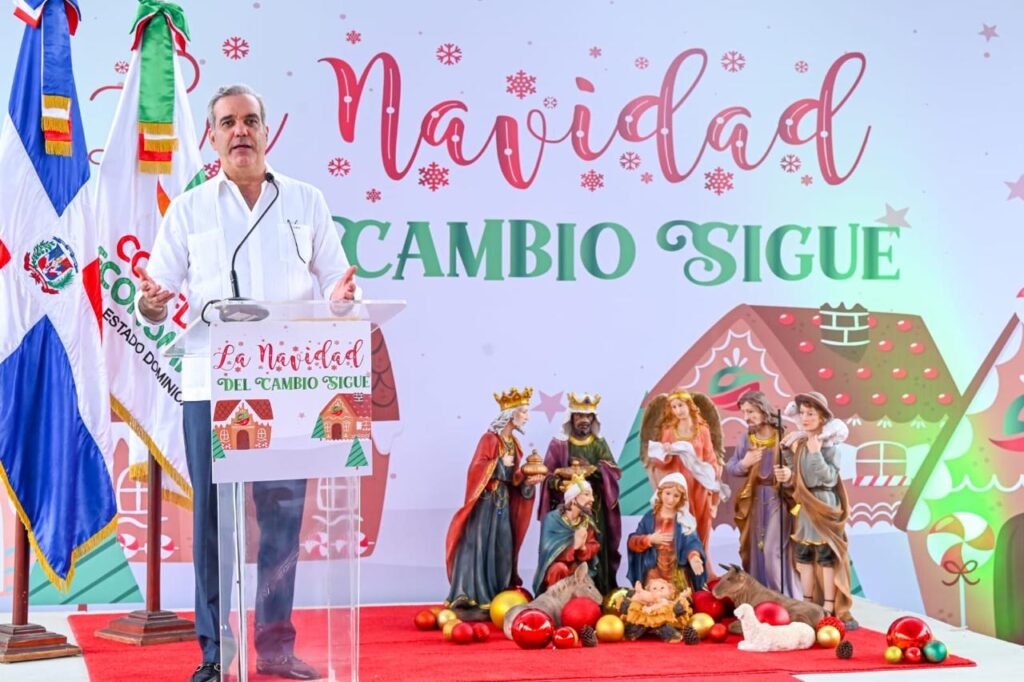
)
(288, 667)
(207, 672)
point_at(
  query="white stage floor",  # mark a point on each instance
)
(997, 660)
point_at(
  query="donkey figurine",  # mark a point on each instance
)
(742, 588)
(578, 584)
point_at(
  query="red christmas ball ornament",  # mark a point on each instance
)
(462, 633)
(580, 611)
(481, 632)
(566, 638)
(425, 620)
(727, 603)
(834, 622)
(705, 602)
(912, 655)
(532, 629)
(523, 591)
(718, 633)
(772, 613)
(908, 631)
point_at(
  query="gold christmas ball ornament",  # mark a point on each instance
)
(613, 600)
(828, 637)
(502, 602)
(702, 623)
(534, 465)
(610, 628)
(445, 616)
(446, 630)
(894, 654)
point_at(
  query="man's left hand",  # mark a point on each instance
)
(345, 289)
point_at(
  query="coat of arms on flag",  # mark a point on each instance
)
(52, 264)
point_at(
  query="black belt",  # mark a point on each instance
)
(822, 489)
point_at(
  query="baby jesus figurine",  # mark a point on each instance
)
(656, 608)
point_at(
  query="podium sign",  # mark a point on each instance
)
(290, 399)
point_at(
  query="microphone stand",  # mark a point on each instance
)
(242, 312)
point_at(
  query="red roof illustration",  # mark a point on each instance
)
(224, 408)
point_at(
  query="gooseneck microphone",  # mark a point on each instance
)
(234, 275)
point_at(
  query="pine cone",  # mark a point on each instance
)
(690, 635)
(588, 636)
(845, 649)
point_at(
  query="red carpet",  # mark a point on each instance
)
(392, 649)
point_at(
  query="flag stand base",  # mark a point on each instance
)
(142, 628)
(30, 642)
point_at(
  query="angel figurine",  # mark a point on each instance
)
(682, 433)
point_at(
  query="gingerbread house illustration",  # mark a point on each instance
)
(881, 373)
(345, 417)
(243, 424)
(964, 511)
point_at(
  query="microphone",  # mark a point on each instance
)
(234, 275)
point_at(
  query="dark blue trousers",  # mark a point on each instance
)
(279, 518)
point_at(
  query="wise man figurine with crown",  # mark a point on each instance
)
(580, 446)
(482, 547)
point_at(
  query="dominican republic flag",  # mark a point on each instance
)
(54, 401)
(151, 156)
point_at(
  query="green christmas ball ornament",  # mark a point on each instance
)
(935, 651)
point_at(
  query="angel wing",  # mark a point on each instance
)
(708, 410)
(650, 425)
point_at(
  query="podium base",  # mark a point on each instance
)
(143, 628)
(31, 642)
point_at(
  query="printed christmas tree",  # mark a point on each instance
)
(318, 430)
(356, 456)
(634, 487)
(102, 576)
(215, 445)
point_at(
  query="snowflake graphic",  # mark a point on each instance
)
(235, 47)
(718, 181)
(642, 63)
(801, 66)
(806, 180)
(353, 37)
(733, 61)
(595, 52)
(433, 176)
(339, 167)
(373, 195)
(521, 84)
(449, 54)
(790, 163)
(630, 161)
(211, 169)
(121, 67)
(647, 178)
(591, 180)
(550, 102)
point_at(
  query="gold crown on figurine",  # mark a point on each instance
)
(583, 402)
(513, 398)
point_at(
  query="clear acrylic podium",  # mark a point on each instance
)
(289, 521)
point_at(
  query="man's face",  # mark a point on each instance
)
(810, 419)
(582, 423)
(584, 501)
(752, 414)
(521, 416)
(239, 134)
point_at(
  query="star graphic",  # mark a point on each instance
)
(1016, 188)
(894, 218)
(988, 31)
(550, 405)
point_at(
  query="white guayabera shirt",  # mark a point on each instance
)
(294, 254)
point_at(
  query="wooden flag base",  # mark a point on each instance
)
(142, 628)
(31, 642)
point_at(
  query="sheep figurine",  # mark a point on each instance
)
(758, 636)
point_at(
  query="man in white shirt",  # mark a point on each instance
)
(293, 253)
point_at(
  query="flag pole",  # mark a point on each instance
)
(151, 625)
(19, 639)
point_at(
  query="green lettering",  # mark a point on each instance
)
(828, 252)
(419, 232)
(519, 248)
(460, 248)
(873, 254)
(626, 250)
(350, 243)
(774, 253)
